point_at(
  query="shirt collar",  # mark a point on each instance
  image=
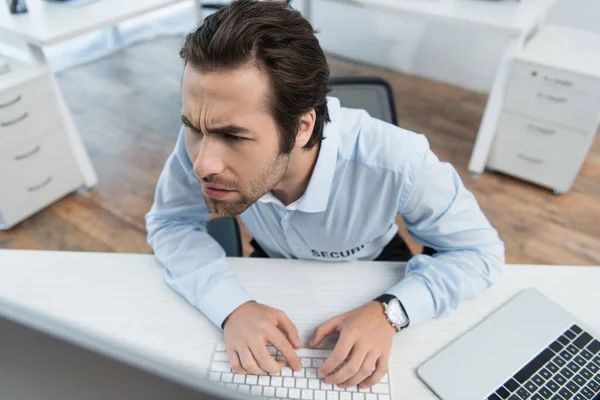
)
(316, 195)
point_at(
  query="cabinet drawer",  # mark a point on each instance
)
(574, 102)
(41, 152)
(26, 192)
(27, 111)
(534, 135)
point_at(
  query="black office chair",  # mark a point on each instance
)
(372, 94)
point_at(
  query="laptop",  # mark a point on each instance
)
(36, 365)
(530, 348)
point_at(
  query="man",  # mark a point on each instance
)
(310, 180)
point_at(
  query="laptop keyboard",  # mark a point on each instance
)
(567, 369)
(290, 384)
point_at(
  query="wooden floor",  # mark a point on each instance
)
(127, 108)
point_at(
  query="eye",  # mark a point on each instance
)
(234, 138)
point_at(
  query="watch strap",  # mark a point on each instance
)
(384, 298)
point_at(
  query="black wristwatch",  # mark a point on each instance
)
(394, 311)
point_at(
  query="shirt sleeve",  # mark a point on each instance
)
(439, 212)
(195, 264)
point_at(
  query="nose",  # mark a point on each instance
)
(209, 160)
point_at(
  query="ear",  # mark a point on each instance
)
(305, 129)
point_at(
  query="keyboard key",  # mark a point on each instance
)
(572, 349)
(503, 393)
(272, 350)
(371, 396)
(326, 386)
(287, 371)
(268, 391)
(597, 378)
(593, 367)
(580, 380)
(566, 372)
(571, 335)
(317, 362)
(352, 388)
(539, 380)
(560, 379)
(252, 379)
(288, 382)
(264, 380)
(586, 374)
(282, 393)
(597, 360)
(302, 383)
(556, 346)
(511, 385)
(545, 392)
(537, 397)
(387, 397)
(295, 393)
(245, 389)
(221, 357)
(565, 393)
(276, 381)
(494, 396)
(579, 397)
(583, 340)
(385, 379)
(553, 386)
(556, 397)
(364, 390)
(256, 391)
(572, 386)
(332, 395)
(345, 396)
(564, 340)
(337, 388)
(311, 373)
(239, 378)
(576, 329)
(594, 386)
(221, 347)
(306, 362)
(524, 394)
(573, 366)
(232, 386)
(594, 347)
(299, 374)
(559, 361)
(320, 395)
(586, 354)
(566, 355)
(533, 366)
(357, 396)
(552, 367)
(532, 387)
(545, 373)
(380, 388)
(580, 360)
(587, 392)
(314, 384)
(514, 397)
(219, 366)
(214, 376)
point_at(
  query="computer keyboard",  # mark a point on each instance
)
(290, 384)
(569, 368)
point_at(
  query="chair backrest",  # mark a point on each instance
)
(372, 94)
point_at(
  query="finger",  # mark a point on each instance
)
(380, 371)
(365, 370)
(234, 362)
(350, 369)
(248, 361)
(264, 360)
(322, 331)
(287, 326)
(281, 343)
(338, 355)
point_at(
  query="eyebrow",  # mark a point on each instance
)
(220, 130)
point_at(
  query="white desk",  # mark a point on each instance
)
(122, 299)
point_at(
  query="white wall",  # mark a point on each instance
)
(581, 14)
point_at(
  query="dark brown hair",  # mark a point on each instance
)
(278, 40)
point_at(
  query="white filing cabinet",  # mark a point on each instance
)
(551, 108)
(37, 162)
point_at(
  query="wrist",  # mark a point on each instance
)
(239, 308)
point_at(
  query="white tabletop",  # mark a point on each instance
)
(48, 23)
(122, 299)
(511, 15)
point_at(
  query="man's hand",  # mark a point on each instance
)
(365, 342)
(248, 330)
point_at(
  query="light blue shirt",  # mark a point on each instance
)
(367, 172)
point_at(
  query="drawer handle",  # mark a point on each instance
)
(559, 81)
(14, 121)
(11, 103)
(545, 131)
(553, 98)
(39, 186)
(530, 159)
(23, 156)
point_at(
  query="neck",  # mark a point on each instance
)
(295, 181)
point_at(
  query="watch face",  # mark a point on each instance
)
(395, 313)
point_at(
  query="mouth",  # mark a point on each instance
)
(216, 192)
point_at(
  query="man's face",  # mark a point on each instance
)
(230, 137)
